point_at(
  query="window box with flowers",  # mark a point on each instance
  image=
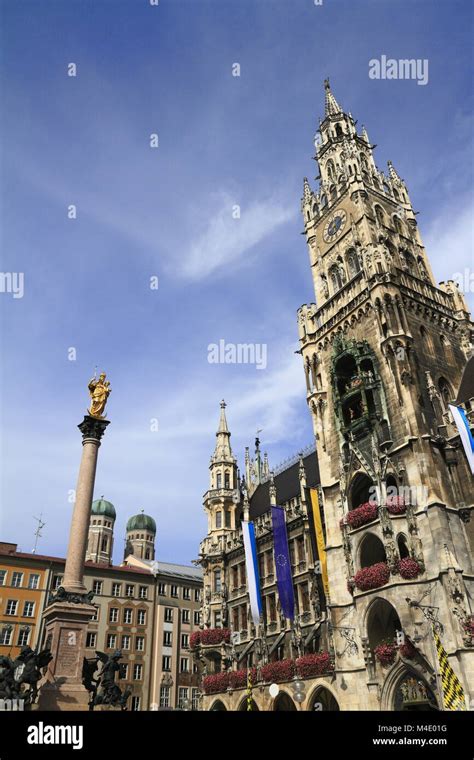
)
(276, 672)
(314, 665)
(195, 639)
(214, 636)
(215, 683)
(385, 653)
(396, 505)
(409, 568)
(407, 650)
(238, 678)
(468, 628)
(362, 515)
(371, 577)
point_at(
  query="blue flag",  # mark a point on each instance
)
(282, 563)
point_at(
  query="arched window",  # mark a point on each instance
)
(147, 554)
(372, 551)
(336, 278)
(398, 224)
(383, 623)
(219, 480)
(380, 216)
(324, 700)
(386, 188)
(396, 194)
(402, 546)
(353, 264)
(445, 392)
(376, 183)
(284, 703)
(362, 491)
(226, 479)
(339, 132)
(333, 192)
(217, 581)
(218, 519)
(391, 486)
(323, 200)
(315, 209)
(330, 170)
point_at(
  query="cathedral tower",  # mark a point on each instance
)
(101, 532)
(384, 349)
(140, 538)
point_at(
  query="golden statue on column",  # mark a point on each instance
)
(99, 391)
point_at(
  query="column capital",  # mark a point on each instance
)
(92, 427)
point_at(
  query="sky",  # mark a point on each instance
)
(169, 212)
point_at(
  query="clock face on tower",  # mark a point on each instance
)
(334, 226)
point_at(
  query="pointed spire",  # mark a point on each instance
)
(223, 450)
(331, 105)
(365, 136)
(392, 173)
(306, 191)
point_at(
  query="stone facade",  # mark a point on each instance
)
(383, 349)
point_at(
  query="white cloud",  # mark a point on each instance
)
(226, 239)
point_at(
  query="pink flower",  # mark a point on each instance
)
(314, 664)
(215, 683)
(275, 672)
(396, 505)
(409, 568)
(362, 515)
(238, 678)
(194, 639)
(385, 652)
(372, 577)
(214, 636)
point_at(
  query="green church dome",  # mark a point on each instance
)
(141, 522)
(103, 507)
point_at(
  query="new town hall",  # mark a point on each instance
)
(379, 518)
(378, 512)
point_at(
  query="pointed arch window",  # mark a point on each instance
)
(353, 264)
(330, 170)
(219, 480)
(398, 224)
(446, 393)
(217, 581)
(336, 278)
(219, 519)
(324, 200)
(333, 192)
(227, 479)
(339, 132)
(380, 216)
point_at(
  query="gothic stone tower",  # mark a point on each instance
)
(220, 503)
(384, 348)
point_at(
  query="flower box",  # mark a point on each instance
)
(385, 653)
(238, 678)
(407, 650)
(276, 672)
(468, 626)
(362, 515)
(215, 683)
(396, 505)
(194, 639)
(409, 568)
(314, 665)
(372, 577)
(214, 636)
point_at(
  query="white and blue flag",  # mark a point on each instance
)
(251, 564)
(467, 439)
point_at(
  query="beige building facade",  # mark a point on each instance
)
(384, 349)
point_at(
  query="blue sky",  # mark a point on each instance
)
(141, 212)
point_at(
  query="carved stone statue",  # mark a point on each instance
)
(19, 678)
(99, 391)
(103, 689)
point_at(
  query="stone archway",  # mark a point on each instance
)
(323, 700)
(284, 703)
(406, 689)
(243, 707)
(218, 706)
(382, 622)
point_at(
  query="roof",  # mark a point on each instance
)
(141, 522)
(103, 507)
(287, 484)
(169, 569)
(466, 387)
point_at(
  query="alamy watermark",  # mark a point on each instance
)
(403, 68)
(237, 353)
(12, 282)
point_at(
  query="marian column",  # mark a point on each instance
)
(69, 611)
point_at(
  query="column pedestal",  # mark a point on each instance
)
(66, 628)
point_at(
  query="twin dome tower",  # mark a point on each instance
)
(139, 539)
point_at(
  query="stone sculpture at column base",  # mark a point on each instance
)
(66, 628)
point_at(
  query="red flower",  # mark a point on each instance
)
(275, 672)
(407, 650)
(409, 568)
(372, 577)
(385, 652)
(215, 683)
(396, 505)
(314, 665)
(468, 626)
(215, 636)
(238, 678)
(194, 639)
(362, 515)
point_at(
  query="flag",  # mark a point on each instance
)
(320, 543)
(467, 439)
(282, 563)
(251, 564)
(453, 693)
